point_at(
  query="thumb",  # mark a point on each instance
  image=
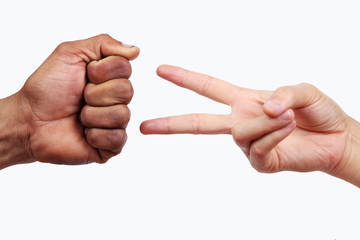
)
(296, 96)
(98, 47)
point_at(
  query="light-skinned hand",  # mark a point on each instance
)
(295, 128)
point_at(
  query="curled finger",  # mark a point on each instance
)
(248, 131)
(112, 92)
(111, 67)
(116, 116)
(261, 154)
(106, 139)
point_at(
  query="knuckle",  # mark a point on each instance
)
(121, 115)
(126, 90)
(112, 68)
(62, 47)
(285, 94)
(104, 159)
(123, 62)
(195, 123)
(261, 167)
(123, 66)
(116, 139)
(126, 114)
(105, 156)
(257, 150)
(307, 86)
(103, 36)
(238, 134)
(313, 92)
(260, 162)
(205, 87)
(285, 91)
(110, 140)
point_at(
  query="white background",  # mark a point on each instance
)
(185, 187)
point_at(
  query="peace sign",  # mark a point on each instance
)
(293, 128)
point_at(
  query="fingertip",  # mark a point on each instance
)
(154, 126)
(129, 51)
(171, 73)
(135, 52)
(162, 69)
(273, 108)
(145, 127)
(141, 128)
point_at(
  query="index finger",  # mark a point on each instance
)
(112, 67)
(202, 84)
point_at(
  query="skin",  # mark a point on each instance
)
(295, 128)
(72, 109)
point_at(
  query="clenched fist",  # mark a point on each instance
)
(73, 108)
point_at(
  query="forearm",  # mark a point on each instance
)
(14, 132)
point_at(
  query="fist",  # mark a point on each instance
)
(106, 115)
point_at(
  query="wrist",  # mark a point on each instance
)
(348, 168)
(15, 131)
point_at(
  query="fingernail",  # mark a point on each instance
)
(291, 126)
(127, 45)
(286, 116)
(274, 106)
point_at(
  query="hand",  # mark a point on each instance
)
(293, 128)
(65, 129)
